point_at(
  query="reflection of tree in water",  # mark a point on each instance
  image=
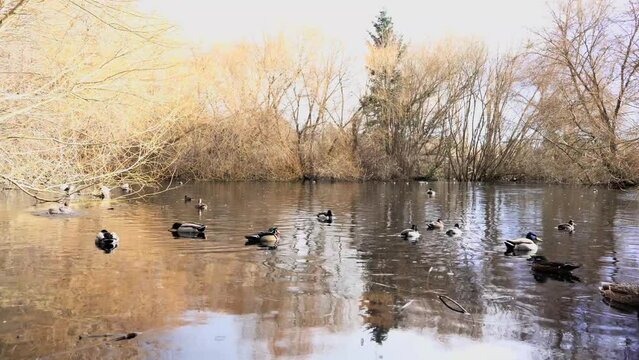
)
(377, 304)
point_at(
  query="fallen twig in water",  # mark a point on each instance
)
(461, 308)
(117, 337)
(406, 305)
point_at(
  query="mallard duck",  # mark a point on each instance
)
(439, 224)
(455, 231)
(541, 264)
(187, 198)
(624, 293)
(430, 192)
(411, 233)
(187, 228)
(201, 206)
(125, 188)
(270, 238)
(325, 216)
(53, 211)
(569, 226)
(523, 244)
(107, 241)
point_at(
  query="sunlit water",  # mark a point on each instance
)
(352, 289)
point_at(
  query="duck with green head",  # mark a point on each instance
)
(528, 243)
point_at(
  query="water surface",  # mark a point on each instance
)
(352, 288)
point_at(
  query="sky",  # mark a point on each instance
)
(501, 24)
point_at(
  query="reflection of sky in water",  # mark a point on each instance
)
(222, 336)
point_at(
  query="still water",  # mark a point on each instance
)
(351, 289)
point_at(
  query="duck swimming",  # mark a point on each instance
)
(326, 217)
(187, 198)
(187, 228)
(624, 293)
(201, 206)
(269, 238)
(107, 241)
(541, 264)
(430, 192)
(411, 233)
(569, 226)
(65, 209)
(523, 244)
(439, 224)
(455, 231)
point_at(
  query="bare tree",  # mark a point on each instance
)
(592, 54)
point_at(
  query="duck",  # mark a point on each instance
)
(624, 293)
(187, 228)
(411, 233)
(527, 243)
(455, 231)
(541, 264)
(105, 193)
(569, 226)
(65, 209)
(187, 198)
(107, 241)
(430, 192)
(269, 238)
(439, 224)
(125, 188)
(325, 216)
(201, 206)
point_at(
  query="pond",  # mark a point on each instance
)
(353, 288)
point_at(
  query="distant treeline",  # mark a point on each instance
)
(93, 92)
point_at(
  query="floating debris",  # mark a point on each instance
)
(460, 309)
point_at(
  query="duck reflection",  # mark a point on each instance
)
(542, 277)
(178, 235)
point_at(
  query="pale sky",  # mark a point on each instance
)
(502, 24)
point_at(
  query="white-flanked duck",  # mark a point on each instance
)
(527, 243)
(107, 241)
(455, 231)
(411, 233)
(439, 224)
(187, 228)
(430, 192)
(569, 226)
(326, 217)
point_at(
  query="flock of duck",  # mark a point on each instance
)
(624, 293)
